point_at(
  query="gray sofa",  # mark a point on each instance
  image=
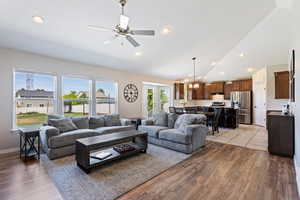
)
(58, 137)
(184, 133)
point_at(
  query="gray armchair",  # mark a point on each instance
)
(185, 133)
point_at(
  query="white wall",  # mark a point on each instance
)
(296, 45)
(272, 103)
(11, 60)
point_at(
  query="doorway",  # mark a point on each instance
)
(156, 98)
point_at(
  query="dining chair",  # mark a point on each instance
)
(172, 110)
(179, 110)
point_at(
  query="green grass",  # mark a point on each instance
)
(34, 118)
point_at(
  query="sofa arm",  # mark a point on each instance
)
(198, 134)
(126, 122)
(46, 132)
(147, 122)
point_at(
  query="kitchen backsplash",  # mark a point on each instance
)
(198, 103)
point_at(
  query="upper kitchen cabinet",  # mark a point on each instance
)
(207, 89)
(227, 90)
(216, 87)
(178, 91)
(282, 85)
(242, 85)
(196, 93)
(246, 85)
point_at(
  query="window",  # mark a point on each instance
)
(76, 96)
(32, 90)
(106, 97)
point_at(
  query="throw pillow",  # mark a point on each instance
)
(63, 125)
(112, 120)
(161, 119)
(96, 122)
(81, 122)
(53, 116)
(185, 120)
(172, 117)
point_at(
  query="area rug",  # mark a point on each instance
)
(112, 180)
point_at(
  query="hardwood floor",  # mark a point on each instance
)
(219, 171)
(223, 171)
(20, 181)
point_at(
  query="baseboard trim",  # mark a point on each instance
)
(297, 170)
(11, 150)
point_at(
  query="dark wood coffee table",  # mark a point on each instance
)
(87, 147)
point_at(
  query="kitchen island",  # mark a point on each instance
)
(229, 115)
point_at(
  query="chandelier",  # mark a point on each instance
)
(194, 84)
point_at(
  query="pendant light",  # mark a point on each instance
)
(194, 84)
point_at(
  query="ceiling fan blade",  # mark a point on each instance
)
(99, 28)
(132, 41)
(142, 32)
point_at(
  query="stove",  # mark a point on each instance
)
(218, 104)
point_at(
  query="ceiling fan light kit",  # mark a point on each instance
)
(122, 29)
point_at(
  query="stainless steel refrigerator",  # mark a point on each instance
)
(243, 100)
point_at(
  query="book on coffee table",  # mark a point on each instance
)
(101, 155)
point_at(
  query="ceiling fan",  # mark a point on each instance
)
(123, 30)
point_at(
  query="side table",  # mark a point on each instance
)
(28, 148)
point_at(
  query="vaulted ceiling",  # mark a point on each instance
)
(212, 30)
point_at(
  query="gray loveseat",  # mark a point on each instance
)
(184, 133)
(58, 137)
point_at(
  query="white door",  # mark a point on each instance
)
(259, 98)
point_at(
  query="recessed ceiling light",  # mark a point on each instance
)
(213, 63)
(186, 80)
(222, 73)
(166, 30)
(38, 19)
(138, 53)
(250, 69)
(242, 55)
(199, 77)
(190, 75)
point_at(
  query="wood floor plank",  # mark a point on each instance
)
(223, 171)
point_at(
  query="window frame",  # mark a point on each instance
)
(116, 91)
(15, 99)
(58, 107)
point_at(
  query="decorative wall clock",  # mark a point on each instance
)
(131, 93)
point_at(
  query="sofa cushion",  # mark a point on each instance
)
(172, 117)
(81, 122)
(152, 131)
(175, 135)
(188, 119)
(112, 129)
(63, 125)
(96, 122)
(69, 138)
(112, 120)
(161, 119)
(53, 116)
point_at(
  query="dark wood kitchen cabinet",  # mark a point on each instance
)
(227, 90)
(178, 91)
(281, 138)
(207, 91)
(198, 93)
(246, 85)
(242, 85)
(282, 90)
(217, 87)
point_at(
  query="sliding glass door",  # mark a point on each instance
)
(156, 99)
